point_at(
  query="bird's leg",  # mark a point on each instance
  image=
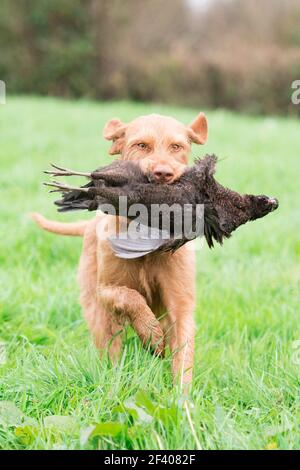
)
(61, 187)
(114, 179)
(59, 171)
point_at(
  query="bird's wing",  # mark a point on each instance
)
(139, 242)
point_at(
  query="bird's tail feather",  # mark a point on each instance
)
(66, 206)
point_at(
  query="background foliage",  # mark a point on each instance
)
(239, 54)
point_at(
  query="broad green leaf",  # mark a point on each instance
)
(26, 434)
(130, 408)
(124, 410)
(108, 429)
(60, 423)
(165, 415)
(144, 399)
(140, 414)
(11, 416)
(85, 434)
(101, 429)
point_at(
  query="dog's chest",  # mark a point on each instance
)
(149, 287)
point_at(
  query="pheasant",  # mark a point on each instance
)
(224, 209)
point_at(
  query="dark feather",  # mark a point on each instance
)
(224, 210)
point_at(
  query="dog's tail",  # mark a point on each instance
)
(73, 229)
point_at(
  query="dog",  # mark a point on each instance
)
(156, 294)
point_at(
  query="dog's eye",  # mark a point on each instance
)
(176, 147)
(142, 145)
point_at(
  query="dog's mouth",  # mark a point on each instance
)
(153, 179)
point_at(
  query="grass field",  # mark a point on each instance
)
(247, 369)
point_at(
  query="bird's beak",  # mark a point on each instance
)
(274, 202)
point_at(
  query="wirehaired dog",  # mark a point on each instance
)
(155, 293)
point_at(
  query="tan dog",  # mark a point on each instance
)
(155, 293)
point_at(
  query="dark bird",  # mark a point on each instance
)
(224, 210)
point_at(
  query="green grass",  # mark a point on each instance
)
(246, 383)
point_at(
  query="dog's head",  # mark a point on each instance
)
(160, 144)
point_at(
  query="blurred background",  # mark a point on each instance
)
(236, 54)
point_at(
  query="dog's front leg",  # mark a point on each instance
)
(107, 333)
(105, 330)
(127, 302)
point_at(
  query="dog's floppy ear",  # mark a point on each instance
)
(115, 130)
(198, 130)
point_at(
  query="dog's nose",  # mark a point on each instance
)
(163, 173)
